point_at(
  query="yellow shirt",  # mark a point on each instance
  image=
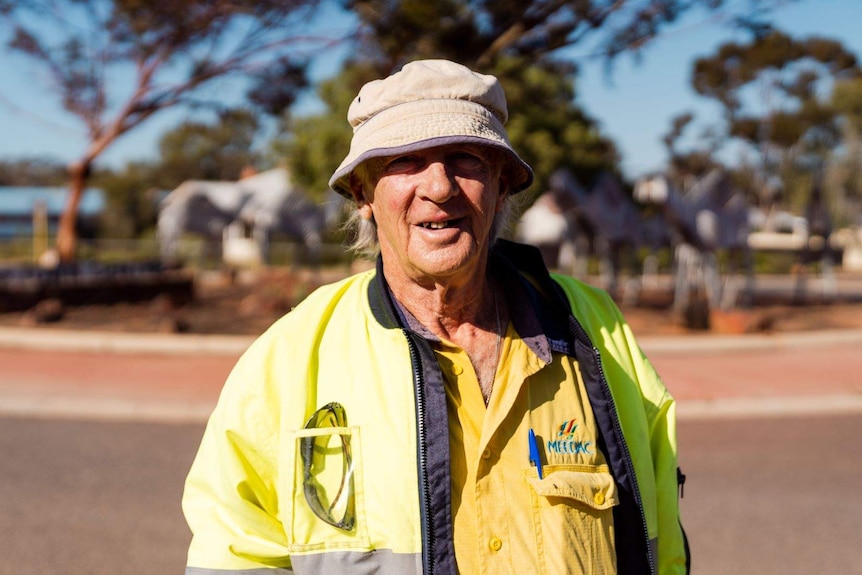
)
(506, 519)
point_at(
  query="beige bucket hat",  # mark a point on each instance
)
(428, 103)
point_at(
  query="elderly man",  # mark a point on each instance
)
(456, 410)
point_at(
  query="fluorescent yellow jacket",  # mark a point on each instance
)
(244, 498)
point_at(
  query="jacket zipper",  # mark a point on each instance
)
(425, 490)
(628, 460)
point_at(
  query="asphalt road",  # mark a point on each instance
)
(765, 496)
(770, 497)
(91, 498)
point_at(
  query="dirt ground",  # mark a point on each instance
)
(246, 304)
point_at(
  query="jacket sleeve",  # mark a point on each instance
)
(673, 553)
(230, 500)
(660, 412)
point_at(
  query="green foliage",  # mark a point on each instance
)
(795, 132)
(846, 175)
(547, 127)
(678, 126)
(395, 32)
(202, 40)
(130, 201)
(787, 71)
(689, 162)
(32, 172)
(516, 40)
(315, 145)
(173, 49)
(479, 32)
(191, 151)
(277, 87)
(847, 101)
(204, 151)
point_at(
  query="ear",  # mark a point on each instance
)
(356, 190)
(503, 194)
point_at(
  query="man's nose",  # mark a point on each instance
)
(438, 183)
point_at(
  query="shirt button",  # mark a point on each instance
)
(457, 369)
(486, 453)
(599, 498)
(495, 543)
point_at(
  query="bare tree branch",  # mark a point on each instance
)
(81, 42)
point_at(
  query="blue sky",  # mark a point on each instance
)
(634, 106)
(636, 109)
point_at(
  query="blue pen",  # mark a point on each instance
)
(534, 454)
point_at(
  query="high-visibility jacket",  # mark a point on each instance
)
(244, 497)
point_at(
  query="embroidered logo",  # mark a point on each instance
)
(565, 441)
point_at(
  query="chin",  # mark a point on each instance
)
(448, 264)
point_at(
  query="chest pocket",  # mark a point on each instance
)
(327, 508)
(573, 510)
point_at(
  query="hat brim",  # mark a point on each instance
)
(423, 124)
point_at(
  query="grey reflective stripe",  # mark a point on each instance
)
(379, 562)
(261, 571)
(653, 546)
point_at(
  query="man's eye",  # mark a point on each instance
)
(467, 160)
(401, 164)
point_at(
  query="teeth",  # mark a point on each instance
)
(435, 225)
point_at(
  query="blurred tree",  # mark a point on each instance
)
(479, 32)
(32, 172)
(546, 126)
(693, 162)
(308, 143)
(847, 101)
(771, 91)
(202, 151)
(520, 41)
(131, 195)
(191, 151)
(173, 50)
(846, 173)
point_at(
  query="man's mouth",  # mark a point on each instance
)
(436, 225)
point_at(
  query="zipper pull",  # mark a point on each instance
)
(680, 481)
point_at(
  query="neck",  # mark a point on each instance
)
(463, 296)
(473, 316)
(443, 308)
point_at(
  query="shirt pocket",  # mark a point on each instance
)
(573, 510)
(307, 531)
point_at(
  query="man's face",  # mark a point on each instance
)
(435, 209)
